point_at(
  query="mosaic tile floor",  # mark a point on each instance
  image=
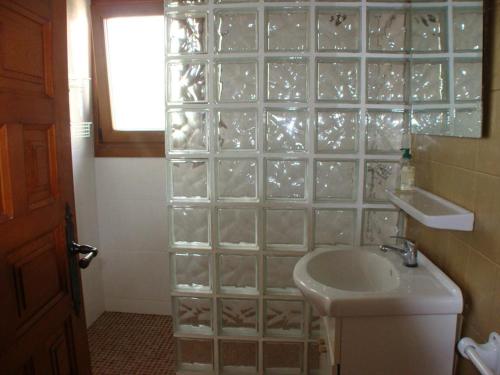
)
(132, 344)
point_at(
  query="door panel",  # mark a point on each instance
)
(6, 199)
(41, 331)
(60, 348)
(40, 164)
(32, 265)
(26, 63)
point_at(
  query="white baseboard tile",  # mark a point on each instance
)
(138, 306)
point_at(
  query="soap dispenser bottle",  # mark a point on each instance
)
(407, 171)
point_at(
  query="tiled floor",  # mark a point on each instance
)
(128, 344)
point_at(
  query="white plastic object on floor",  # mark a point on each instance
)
(486, 357)
(432, 210)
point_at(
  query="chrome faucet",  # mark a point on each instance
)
(408, 252)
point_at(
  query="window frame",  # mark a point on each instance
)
(109, 141)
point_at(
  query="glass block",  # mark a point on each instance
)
(338, 80)
(193, 315)
(314, 322)
(238, 357)
(187, 33)
(468, 122)
(186, 82)
(187, 131)
(430, 122)
(238, 316)
(387, 30)
(189, 179)
(237, 179)
(468, 80)
(284, 318)
(428, 30)
(238, 274)
(386, 81)
(379, 226)
(286, 229)
(385, 130)
(337, 131)
(236, 31)
(287, 80)
(283, 358)
(429, 81)
(194, 355)
(468, 29)
(237, 129)
(175, 3)
(237, 227)
(338, 29)
(286, 130)
(190, 227)
(191, 272)
(379, 176)
(335, 180)
(236, 81)
(333, 227)
(287, 30)
(285, 179)
(279, 275)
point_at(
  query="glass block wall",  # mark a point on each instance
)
(284, 126)
(446, 68)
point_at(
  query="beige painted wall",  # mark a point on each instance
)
(467, 172)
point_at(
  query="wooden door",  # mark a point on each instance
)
(40, 330)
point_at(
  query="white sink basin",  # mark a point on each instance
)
(366, 281)
(357, 271)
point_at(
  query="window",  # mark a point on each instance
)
(128, 47)
(135, 72)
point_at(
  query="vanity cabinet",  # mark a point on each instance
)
(329, 346)
(388, 345)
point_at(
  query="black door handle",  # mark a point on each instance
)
(89, 251)
(74, 262)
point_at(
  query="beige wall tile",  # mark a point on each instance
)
(495, 316)
(488, 155)
(455, 184)
(441, 179)
(421, 147)
(456, 260)
(460, 152)
(432, 242)
(464, 366)
(486, 235)
(422, 177)
(463, 187)
(480, 280)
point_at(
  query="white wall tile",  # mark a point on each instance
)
(131, 178)
(132, 216)
(93, 294)
(132, 225)
(138, 306)
(87, 223)
(135, 275)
